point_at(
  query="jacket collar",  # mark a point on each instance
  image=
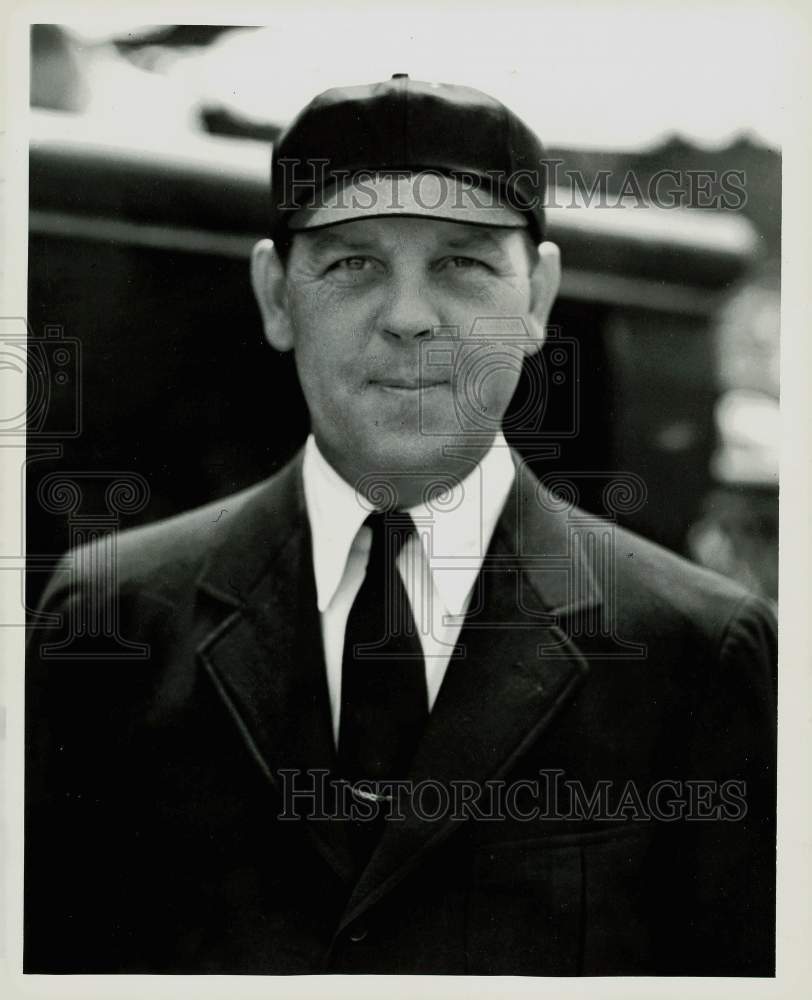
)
(260, 523)
(546, 537)
(515, 670)
(536, 530)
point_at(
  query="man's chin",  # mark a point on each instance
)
(404, 469)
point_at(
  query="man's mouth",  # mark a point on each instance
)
(408, 384)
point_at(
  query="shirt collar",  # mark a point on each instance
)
(457, 524)
(335, 512)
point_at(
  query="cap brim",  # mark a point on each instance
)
(426, 194)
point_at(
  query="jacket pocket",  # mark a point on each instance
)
(561, 906)
(525, 910)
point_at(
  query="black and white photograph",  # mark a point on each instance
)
(397, 498)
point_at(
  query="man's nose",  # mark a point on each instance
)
(409, 311)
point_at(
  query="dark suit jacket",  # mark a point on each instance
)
(153, 837)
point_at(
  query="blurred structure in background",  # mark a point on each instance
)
(58, 76)
(738, 531)
(148, 186)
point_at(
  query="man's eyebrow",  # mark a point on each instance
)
(321, 242)
(483, 238)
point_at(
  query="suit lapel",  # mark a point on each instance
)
(513, 671)
(266, 660)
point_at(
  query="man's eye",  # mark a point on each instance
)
(350, 264)
(463, 263)
(353, 270)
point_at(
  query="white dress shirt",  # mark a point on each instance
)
(438, 568)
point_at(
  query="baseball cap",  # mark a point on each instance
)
(405, 147)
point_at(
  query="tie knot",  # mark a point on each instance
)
(390, 530)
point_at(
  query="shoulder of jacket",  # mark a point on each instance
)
(165, 556)
(646, 588)
(657, 582)
(182, 540)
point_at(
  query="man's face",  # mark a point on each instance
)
(409, 336)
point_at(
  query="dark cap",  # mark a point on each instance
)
(403, 147)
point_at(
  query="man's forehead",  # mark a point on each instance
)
(368, 233)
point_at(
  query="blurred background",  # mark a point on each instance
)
(148, 186)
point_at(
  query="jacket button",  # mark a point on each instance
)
(358, 934)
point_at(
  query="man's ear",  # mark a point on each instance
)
(545, 279)
(269, 284)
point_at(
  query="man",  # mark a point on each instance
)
(403, 710)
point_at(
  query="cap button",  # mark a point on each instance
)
(400, 76)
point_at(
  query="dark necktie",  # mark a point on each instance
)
(384, 703)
